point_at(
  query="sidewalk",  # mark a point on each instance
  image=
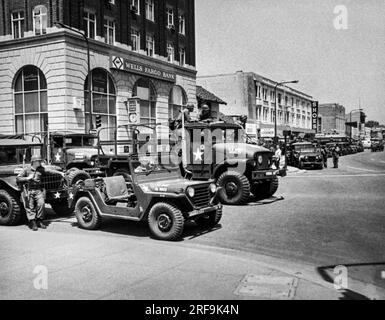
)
(96, 265)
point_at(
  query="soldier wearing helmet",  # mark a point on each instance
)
(205, 113)
(31, 177)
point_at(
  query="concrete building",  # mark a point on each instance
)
(248, 93)
(138, 48)
(359, 118)
(333, 118)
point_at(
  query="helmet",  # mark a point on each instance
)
(36, 158)
(205, 107)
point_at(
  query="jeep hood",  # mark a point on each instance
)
(172, 185)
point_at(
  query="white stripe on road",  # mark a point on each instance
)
(360, 169)
(339, 175)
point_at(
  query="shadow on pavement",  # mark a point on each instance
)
(261, 202)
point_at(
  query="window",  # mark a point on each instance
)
(150, 45)
(170, 53)
(259, 113)
(40, 20)
(258, 91)
(150, 10)
(279, 98)
(177, 100)
(30, 100)
(264, 94)
(135, 40)
(135, 7)
(109, 31)
(17, 24)
(272, 96)
(182, 56)
(182, 24)
(170, 17)
(144, 90)
(89, 24)
(103, 102)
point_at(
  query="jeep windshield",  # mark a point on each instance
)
(80, 142)
(151, 166)
(306, 149)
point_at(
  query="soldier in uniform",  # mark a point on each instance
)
(205, 113)
(336, 156)
(35, 193)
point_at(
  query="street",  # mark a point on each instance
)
(326, 218)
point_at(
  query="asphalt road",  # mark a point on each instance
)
(326, 218)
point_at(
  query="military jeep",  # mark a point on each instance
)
(219, 151)
(151, 191)
(15, 154)
(305, 155)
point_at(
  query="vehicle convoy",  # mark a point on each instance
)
(150, 191)
(15, 155)
(305, 155)
(219, 151)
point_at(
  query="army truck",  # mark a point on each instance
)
(76, 153)
(219, 151)
(15, 155)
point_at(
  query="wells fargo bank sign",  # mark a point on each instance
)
(142, 69)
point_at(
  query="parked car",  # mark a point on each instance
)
(367, 144)
(15, 155)
(377, 145)
(151, 191)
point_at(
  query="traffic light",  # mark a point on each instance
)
(98, 121)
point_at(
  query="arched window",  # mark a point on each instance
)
(103, 101)
(144, 90)
(30, 96)
(40, 20)
(176, 101)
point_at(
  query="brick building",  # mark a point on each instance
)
(138, 48)
(248, 93)
(333, 118)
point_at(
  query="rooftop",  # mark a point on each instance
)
(205, 95)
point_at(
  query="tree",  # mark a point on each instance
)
(372, 124)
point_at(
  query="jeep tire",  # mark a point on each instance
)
(10, 210)
(86, 214)
(235, 188)
(166, 222)
(266, 189)
(76, 175)
(209, 220)
(61, 208)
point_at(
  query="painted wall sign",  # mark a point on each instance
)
(142, 69)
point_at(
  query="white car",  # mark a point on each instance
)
(367, 144)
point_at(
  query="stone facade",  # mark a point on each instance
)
(333, 118)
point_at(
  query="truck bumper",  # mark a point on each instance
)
(195, 213)
(259, 175)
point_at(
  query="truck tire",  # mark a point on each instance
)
(166, 222)
(86, 214)
(10, 211)
(266, 189)
(235, 188)
(77, 175)
(209, 220)
(61, 208)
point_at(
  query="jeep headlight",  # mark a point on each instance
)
(260, 159)
(213, 187)
(191, 192)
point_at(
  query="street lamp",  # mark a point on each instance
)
(351, 127)
(88, 101)
(276, 104)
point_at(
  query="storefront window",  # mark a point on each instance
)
(177, 100)
(144, 90)
(103, 102)
(30, 98)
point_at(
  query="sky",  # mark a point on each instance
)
(297, 40)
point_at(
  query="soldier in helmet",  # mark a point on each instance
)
(35, 197)
(205, 113)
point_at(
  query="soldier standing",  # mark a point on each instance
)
(205, 113)
(336, 156)
(324, 156)
(35, 193)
